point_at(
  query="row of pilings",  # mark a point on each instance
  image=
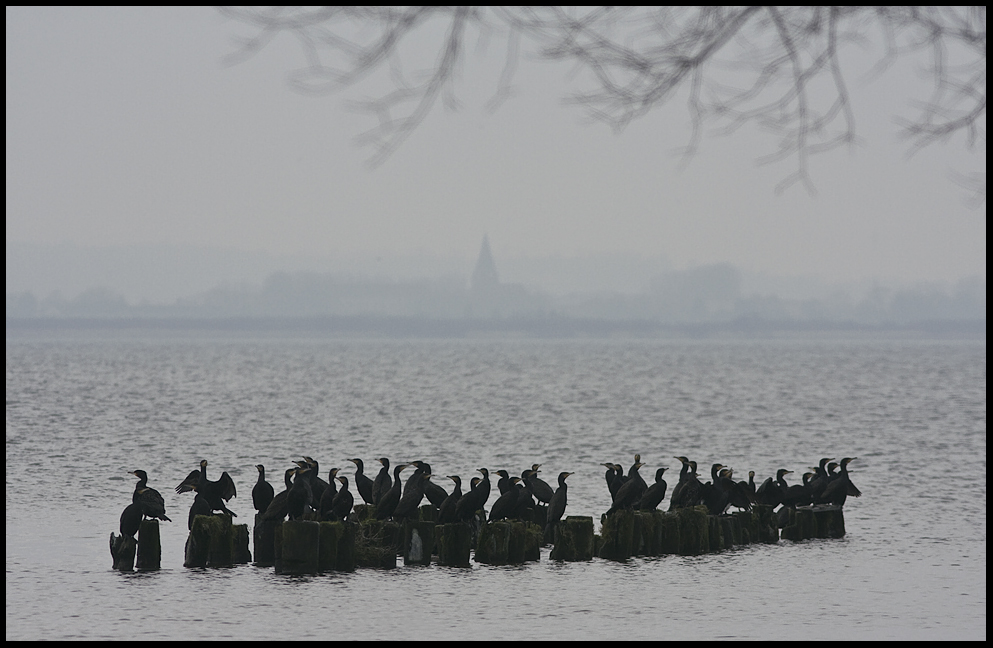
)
(310, 546)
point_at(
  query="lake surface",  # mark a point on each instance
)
(81, 413)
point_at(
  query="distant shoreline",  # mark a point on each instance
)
(470, 328)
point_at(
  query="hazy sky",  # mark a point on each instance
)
(124, 127)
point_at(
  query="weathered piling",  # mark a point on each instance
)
(617, 535)
(428, 513)
(263, 540)
(453, 542)
(211, 542)
(240, 553)
(748, 523)
(800, 524)
(418, 542)
(508, 542)
(336, 546)
(149, 546)
(829, 521)
(298, 547)
(668, 533)
(694, 531)
(765, 521)
(573, 539)
(715, 533)
(122, 550)
(377, 543)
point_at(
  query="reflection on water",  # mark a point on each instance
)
(81, 414)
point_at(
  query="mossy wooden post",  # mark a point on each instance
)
(715, 534)
(210, 543)
(122, 550)
(694, 527)
(532, 535)
(298, 547)
(263, 540)
(829, 521)
(493, 543)
(800, 524)
(748, 522)
(453, 542)
(240, 554)
(768, 531)
(376, 544)
(669, 533)
(363, 512)
(617, 532)
(149, 546)
(327, 541)
(418, 541)
(728, 531)
(346, 559)
(428, 513)
(573, 539)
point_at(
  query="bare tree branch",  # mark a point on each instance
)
(777, 68)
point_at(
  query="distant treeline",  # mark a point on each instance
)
(699, 298)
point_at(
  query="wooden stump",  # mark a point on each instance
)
(377, 543)
(715, 533)
(767, 529)
(453, 542)
(122, 550)
(694, 531)
(829, 521)
(507, 542)
(669, 533)
(149, 546)
(264, 539)
(748, 523)
(298, 547)
(418, 541)
(617, 533)
(210, 543)
(573, 538)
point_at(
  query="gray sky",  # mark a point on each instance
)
(124, 127)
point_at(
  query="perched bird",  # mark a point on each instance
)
(539, 487)
(655, 493)
(278, 508)
(446, 512)
(556, 507)
(383, 482)
(200, 506)
(631, 491)
(772, 492)
(300, 496)
(131, 518)
(150, 500)
(215, 492)
(362, 483)
(325, 507)
(263, 492)
(841, 487)
(342, 501)
(411, 498)
(475, 499)
(506, 504)
(390, 499)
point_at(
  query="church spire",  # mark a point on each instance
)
(484, 277)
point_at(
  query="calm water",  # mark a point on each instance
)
(80, 414)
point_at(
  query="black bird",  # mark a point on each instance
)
(556, 508)
(215, 492)
(799, 494)
(737, 492)
(542, 491)
(772, 492)
(820, 479)
(200, 506)
(263, 492)
(131, 518)
(506, 504)
(631, 490)
(277, 509)
(446, 512)
(300, 496)
(475, 499)
(503, 484)
(655, 494)
(608, 477)
(411, 498)
(326, 506)
(841, 487)
(525, 497)
(382, 483)
(150, 500)
(434, 492)
(362, 483)
(317, 485)
(390, 498)
(343, 501)
(675, 501)
(749, 486)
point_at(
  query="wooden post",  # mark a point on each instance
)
(829, 521)
(694, 527)
(573, 539)
(617, 532)
(240, 554)
(149, 546)
(715, 534)
(210, 543)
(418, 541)
(768, 530)
(453, 542)
(508, 542)
(122, 550)
(264, 538)
(669, 533)
(748, 522)
(298, 547)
